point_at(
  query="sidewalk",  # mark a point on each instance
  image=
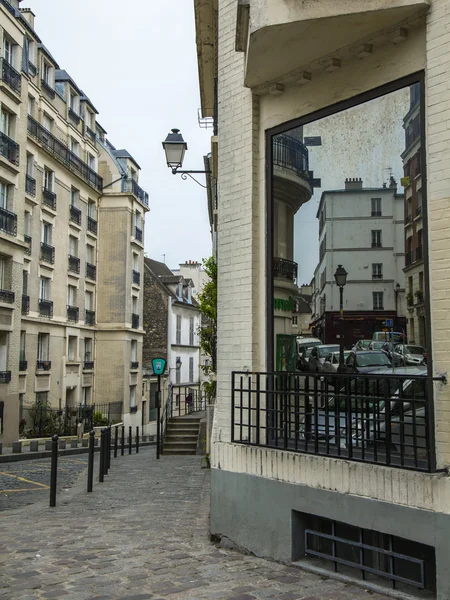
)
(142, 534)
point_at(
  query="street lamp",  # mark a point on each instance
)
(340, 277)
(175, 148)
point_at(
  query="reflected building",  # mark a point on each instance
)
(414, 262)
(362, 230)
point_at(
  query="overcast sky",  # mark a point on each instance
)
(136, 61)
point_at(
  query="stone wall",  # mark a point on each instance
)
(156, 302)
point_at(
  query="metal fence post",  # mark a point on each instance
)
(53, 471)
(91, 461)
(137, 440)
(116, 435)
(108, 449)
(122, 448)
(130, 439)
(101, 470)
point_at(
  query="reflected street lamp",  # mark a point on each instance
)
(175, 148)
(340, 277)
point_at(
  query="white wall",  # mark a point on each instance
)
(184, 351)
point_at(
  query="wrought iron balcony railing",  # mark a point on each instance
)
(63, 154)
(5, 376)
(43, 365)
(30, 185)
(287, 269)
(138, 234)
(136, 277)
(25, 304)
(23, 365)
(74, 264)
(89, 317)
(130, 185)
(9, 149)
(11, 77)
(73, 313)
(134, 364)
(88, 365)
(92, 225)
(7, 296)
(46, 308)
(8, 221)
(73, 116)
(135, 321)
(75, 215)
(49, 198)
(48, 88)
(47, 253)
(27, 240)
(91, 271)
(91, 133)
(290, 153)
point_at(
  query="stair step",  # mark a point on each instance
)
(178, 431)
(180, 445)
(171, 437)
(175, 452)
(184, 420)
(184, 425)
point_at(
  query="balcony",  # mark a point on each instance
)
(377, 275)
(134, 365)
(30, 185)
(135, 321)
(46, 308)
(136, 277)
(419, 211)
(130, 185)
(89, 317)
(408, 219)
(48, 89)
(25, 304)
(75, 215)
(138, 234)
(23, 365)
(49, 198)
(74, 117)
(47, 253)
(419, 252)
(63, 154)
(27, 240)
(73, 313)
(91, 133)
(43, 365)
(88, 365)
(91, 272)
(7, 296)
(74, 264)
(376, 213)
(9, 149)
(8, 222)
(5, 376)
(11, 77)
(92, 225)
(292, 180)
(285, 269)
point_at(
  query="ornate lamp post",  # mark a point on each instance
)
(175, 148)
(340, 277)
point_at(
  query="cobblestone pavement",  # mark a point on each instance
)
(141, 535)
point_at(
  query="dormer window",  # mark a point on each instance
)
(47, 74)
(189, 294)
(180, 291)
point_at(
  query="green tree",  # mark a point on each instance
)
(208, 331)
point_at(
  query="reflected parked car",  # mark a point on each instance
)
(406, 354)
(331, 362)
(376, 345)
(365, 361)
(318, 356)
(304, 348)
(362, 345)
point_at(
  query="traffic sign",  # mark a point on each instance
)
(159, 366)
(389, 322)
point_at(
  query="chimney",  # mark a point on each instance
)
(353, 184)
(28, 15)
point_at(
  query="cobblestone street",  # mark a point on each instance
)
(142, 534)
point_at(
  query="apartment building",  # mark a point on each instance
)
(278, 489)
(72, 235)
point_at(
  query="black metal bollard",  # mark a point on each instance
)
(101, 470)
(116, 437)
(108, 450)
(130, 439)
(53, 471)
(137, 440)
(90, 480)
(122, 449)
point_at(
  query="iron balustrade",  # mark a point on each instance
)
(23, 365)
(134, 365)
(73, 313)
(25, 304)
(43, 365)
(419, 252)
(88, 365)
(11, 77)
(75, 215)
(48, 88)
(419, 211)
(30, 185)
(91, 133)
(135, 321)
(290, 153)
(7, 296)
(138, 234)
(9, 149)
(92, 225)
(376, 213)
(89, 317)
(74, 116)
(27, 240)
(74, 264)
(8, 221)
(63, 154)
(185, 400)
(378, 419)
(91, 271)
(47, 253)
(49, 198)
(5, 376)
(136, 277)
(130, 185)
(46, 308)
(285, 268)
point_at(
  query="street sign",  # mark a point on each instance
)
(159, 366)
(389, 322)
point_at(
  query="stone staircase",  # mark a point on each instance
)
(182, 435)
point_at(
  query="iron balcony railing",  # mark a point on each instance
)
(7, 296)
(92, 225)
(136, 277)
(138, 234)
(73, 313)
(290, 153)
(49, 198)
(134, 364)
(75, 215)
(88, 365)
(9, 149)
(74, 264)
(135, 321)
(47, 253)
(11, 77)
(5, 376)
(91, 133)
(376, 213)
(419, 252)
(30, 185)
(89, 317)
(27, 240)
(91, 271)
(48, 88)
(419, 211)
(23, 365)
(378, 419)
(8, 221)
(285, 268)
(74, 116)
(63, 154)
(25, 304)
(43, 365)
(46, 308)
(130, 185)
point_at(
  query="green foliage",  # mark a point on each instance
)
(208, 307)
(208, 461)
(99, 419)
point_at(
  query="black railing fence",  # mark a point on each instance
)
(185, 400)
(285, 268)
(291, 153)
(379, 419)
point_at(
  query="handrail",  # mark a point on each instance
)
(166, 415)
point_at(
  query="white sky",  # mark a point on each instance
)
(137, 62)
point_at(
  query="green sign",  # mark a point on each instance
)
(285, 305)
(159, 366)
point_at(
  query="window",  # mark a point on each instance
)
(7, 50)
(178, 331)
(73, 246)
(180, 291)
(376, 207)
(137, 219)
(88, 352)
(74, 146)
(92, 162)
(191, 369)
(189, 294)
(47, 231)
(23, 337)
(49, 179)
(92, 210)
(25, 283)
(44, 288)
(191, 331)
(71, 295)
(377, 271)
(41, 397)
(376, 238)
(47, 122)
(31, 105)
(89, 301)
(88, 118)
(132, 396)
(134, 304)
(133, 350)
(72, 347)
(30, 164)
(87, 394)
(135, 261)
(421, 281)
(5, 122)
(294, 321)
(410, 286)
(31, 50)
(73, 101)
(47, 74)
(4, 193)
(43, 346)
(178, 371)
(90, 254)
(3, 285)
(377, 300)
(74, 196)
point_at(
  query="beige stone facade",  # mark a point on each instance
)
(71, 240)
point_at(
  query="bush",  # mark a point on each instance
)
(99, 419)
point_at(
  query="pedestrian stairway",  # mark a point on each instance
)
(182, 435)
